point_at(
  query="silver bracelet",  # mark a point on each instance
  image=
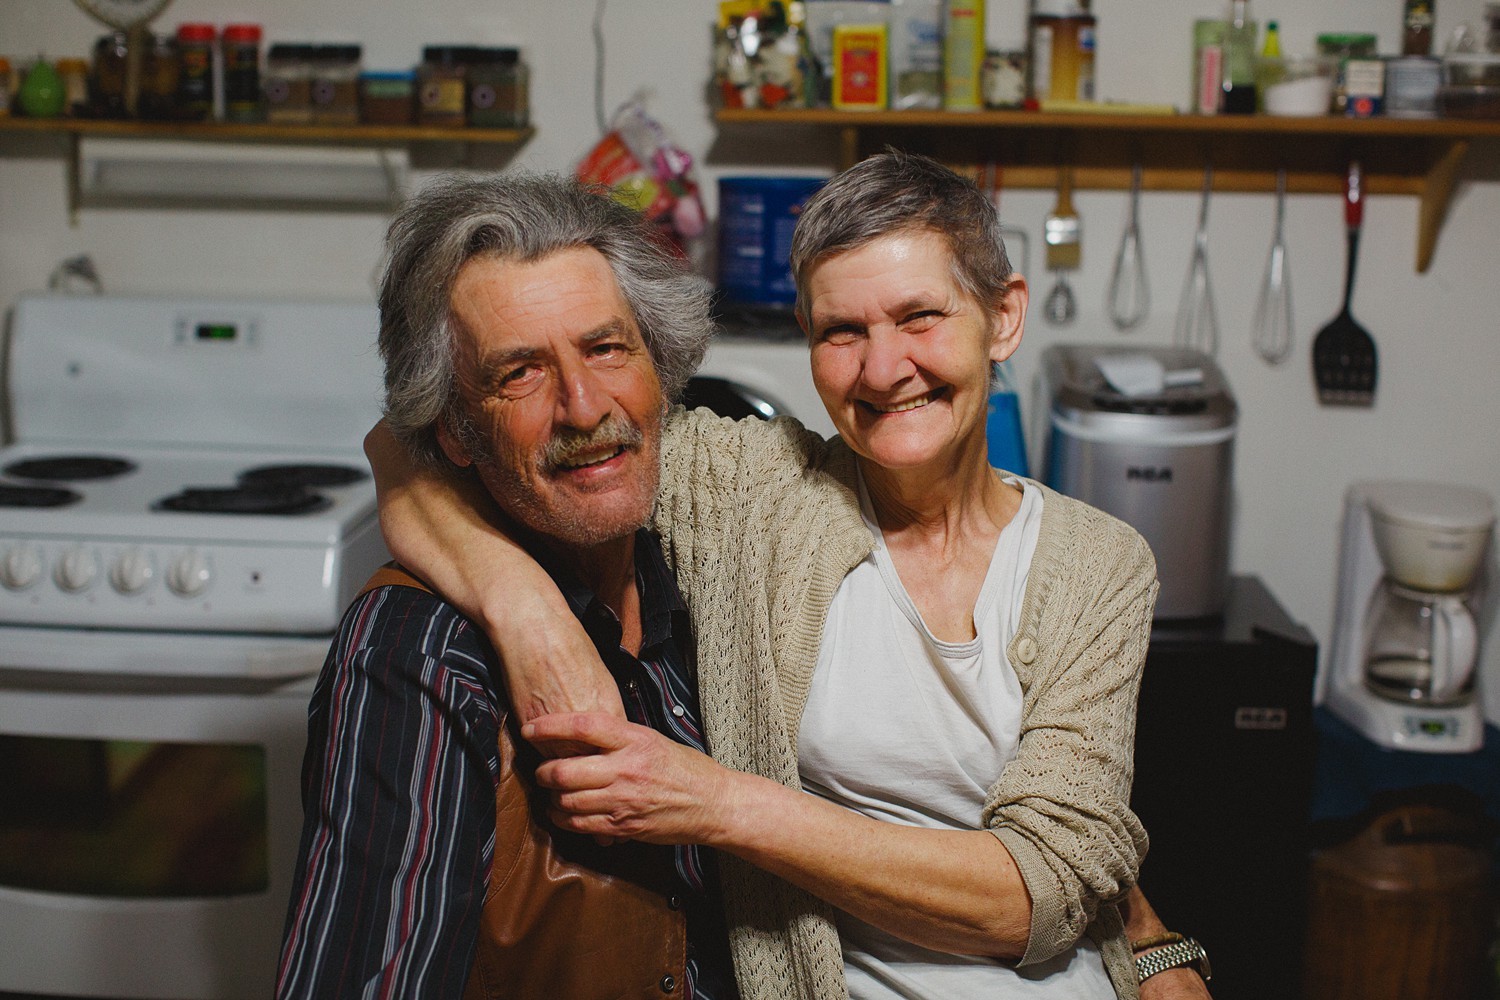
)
(1185, 952)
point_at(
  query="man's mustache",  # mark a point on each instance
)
(568, 445)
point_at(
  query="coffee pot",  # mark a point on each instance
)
(1406, 642)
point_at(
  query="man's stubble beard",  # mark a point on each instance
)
(576, 525)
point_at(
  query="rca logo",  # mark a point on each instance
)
(1260, 718)
(1148, 474)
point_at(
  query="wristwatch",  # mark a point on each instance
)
(1186, 952)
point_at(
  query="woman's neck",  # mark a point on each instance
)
(939, 509)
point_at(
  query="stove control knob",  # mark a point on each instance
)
(131, 572)
(21, 567)
(76, 570)
(189, 574)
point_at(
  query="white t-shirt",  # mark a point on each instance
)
(903, 727)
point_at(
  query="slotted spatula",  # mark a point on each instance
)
(1344, 362)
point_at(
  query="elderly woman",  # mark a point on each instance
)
(918, 673)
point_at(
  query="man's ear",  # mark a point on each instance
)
(448, 441)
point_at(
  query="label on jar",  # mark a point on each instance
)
(1364, 87)
(441, 100)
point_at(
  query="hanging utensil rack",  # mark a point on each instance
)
(1417, 157)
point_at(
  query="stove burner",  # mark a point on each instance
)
(70, 467)
(302, 475)
(36, 496)
(280, 500)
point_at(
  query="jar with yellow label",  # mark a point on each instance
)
(442, 85)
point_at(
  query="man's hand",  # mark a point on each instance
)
(1142, 922)
(1175, 984)
(635, 783)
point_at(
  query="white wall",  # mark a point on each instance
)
(1438, 333)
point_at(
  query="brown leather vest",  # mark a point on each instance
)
(552, 928)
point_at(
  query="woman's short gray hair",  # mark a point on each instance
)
(525, 218)
(895, 192)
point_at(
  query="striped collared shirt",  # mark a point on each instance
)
(399, 782)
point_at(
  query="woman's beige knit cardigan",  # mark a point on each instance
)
(761, 523)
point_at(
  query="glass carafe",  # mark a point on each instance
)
(1421, 646)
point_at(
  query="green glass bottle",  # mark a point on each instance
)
(41, 94)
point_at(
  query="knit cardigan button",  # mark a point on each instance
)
(1026, 649)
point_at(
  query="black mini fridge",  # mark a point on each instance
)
(1224, 764)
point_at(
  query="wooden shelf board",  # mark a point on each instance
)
(271, 133)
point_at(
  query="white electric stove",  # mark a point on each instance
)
(185, 512)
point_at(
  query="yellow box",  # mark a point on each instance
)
(963, 55)
(861, 61)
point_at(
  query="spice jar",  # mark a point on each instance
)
(288, 84)
(1343, 48)
(195, 69)
(1060, 56)
(157, 97)
(75, 79)
(387, 98)
(497, 80)
(241, 48)
(442, 85)
(334, 85)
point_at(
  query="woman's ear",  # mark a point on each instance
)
(1009, 317)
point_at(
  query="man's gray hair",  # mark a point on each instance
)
(524, 218)
(898, 192)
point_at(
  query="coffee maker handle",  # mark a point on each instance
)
(1454, 647)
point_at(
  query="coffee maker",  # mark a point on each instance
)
(1405, 640)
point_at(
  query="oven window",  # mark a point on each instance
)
(132, 819)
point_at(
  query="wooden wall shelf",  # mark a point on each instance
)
(307, 135)
(443, 145)
(1418, 157)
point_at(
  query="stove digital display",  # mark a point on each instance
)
(226, 328)
(216, 331)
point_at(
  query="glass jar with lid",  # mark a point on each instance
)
(1341, 48)
(498, 89)
(288, 84)
(334, 84)
(442, 85)
(196, 42)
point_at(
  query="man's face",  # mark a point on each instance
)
(555, 377)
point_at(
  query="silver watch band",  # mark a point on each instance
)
(1184, 952)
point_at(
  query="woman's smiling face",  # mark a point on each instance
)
(901, 354)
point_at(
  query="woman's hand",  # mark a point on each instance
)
(952, 890)
(448, 530)
(634, 783)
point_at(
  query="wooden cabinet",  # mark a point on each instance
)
(1025, 149)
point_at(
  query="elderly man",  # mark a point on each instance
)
(531, 331)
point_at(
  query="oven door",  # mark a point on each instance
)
(148, 831)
